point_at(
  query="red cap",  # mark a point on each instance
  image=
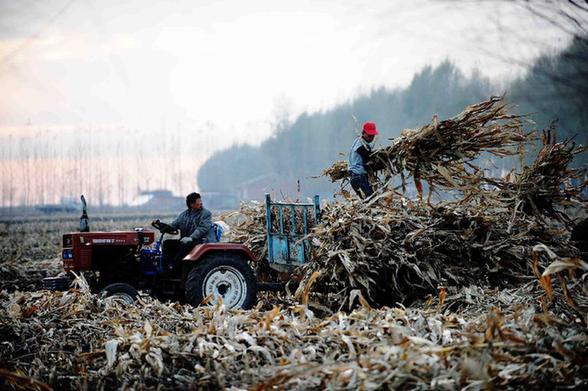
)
(370, 129)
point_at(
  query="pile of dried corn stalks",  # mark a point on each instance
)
(248, 227)
(468, 337)
(389, 248)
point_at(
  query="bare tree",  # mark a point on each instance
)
(567, 16)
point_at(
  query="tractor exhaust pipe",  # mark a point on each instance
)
(84, 221)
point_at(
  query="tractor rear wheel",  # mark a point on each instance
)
(223, 276)
(120, 291)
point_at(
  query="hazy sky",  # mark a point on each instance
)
(235, 65)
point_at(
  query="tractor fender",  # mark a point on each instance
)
(201, 249)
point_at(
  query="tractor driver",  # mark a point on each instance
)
(195, 226)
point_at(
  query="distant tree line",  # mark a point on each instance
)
(556, 89)
(41, 167)
(301, 150)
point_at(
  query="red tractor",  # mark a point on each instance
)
(122, 262)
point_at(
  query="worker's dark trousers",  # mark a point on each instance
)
(361, 185)
(182, 252)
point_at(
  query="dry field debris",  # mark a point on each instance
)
(29, 252)
(472, 337)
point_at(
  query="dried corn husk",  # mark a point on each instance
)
(474, 337)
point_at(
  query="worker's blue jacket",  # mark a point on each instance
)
(359, 155)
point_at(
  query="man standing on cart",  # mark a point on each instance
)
(358, 158)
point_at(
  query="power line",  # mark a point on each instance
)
(7, 58)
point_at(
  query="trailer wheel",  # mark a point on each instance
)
(121, 291)
(222, 275)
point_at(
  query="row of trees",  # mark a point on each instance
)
(108, 165)
(556, 89)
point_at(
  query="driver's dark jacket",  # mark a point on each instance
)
(196, 224)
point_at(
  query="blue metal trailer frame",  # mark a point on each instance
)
(289, 248)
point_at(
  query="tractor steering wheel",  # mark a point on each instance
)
(163, 227)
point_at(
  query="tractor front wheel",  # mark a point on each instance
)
(223, 276)
(120, 291)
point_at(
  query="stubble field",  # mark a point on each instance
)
(470, 337)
